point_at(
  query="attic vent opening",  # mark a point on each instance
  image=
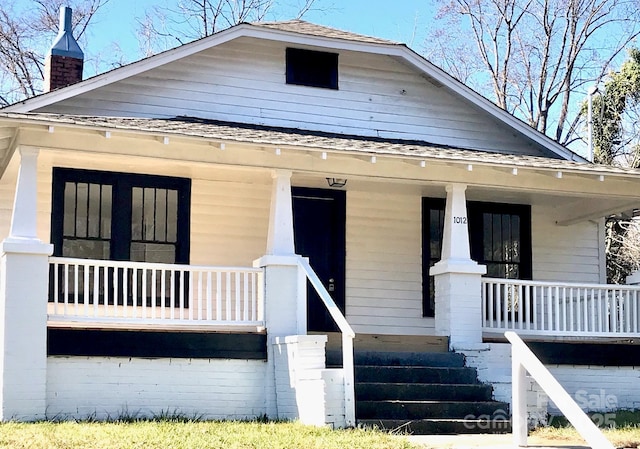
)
(312, 68)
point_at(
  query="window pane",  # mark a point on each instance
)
(436, 224)
(93, 229)
(172, 215)
(161, 215)
(82, 196)
(69, 216)
(149, 214)
(153, 252)
(487, 234)
(506, 238)
(85, 249)
(497, 238)
(105, 225)
(136, 213)
(515, 235)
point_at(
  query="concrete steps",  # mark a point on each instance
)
(425, 393)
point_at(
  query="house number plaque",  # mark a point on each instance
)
(460, 220)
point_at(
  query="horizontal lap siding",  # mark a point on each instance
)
(384, 277)
(564, 253)
(104, 387)
(229, 222)
(244, 81)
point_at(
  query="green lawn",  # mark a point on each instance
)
(170, 434)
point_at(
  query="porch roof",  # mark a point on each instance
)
(290, 138)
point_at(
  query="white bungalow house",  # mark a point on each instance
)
(154, 217)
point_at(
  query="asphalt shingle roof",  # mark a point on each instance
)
(313, 140)
(311, 29)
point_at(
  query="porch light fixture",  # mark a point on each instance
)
(337, 182)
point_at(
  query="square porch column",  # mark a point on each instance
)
(458, 304)
(285, 286)
(24, 280)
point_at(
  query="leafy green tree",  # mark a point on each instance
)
(616, 141)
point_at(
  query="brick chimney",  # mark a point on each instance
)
(65, 59)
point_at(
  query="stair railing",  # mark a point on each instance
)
(347, 340)
(523, 360)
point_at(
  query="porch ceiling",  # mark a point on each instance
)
(578, 191)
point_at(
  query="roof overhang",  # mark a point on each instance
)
(578, 191)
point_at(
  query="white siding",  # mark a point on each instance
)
(103, 387)
(384, 264)
(564, 253)
(229, 222)
(244, 81)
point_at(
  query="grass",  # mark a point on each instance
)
(182, 434)
(622, 429)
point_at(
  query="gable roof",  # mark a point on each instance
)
(299, 32)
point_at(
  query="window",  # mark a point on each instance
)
(312, 68)
(499, 237)
(117, 216)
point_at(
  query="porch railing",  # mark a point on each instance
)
(347, 341)
(105, 291)
(560, 309)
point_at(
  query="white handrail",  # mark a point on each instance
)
(347, 340)
(523, 360)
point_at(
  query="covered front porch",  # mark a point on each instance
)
(243, 209)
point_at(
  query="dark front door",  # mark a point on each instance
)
(319, 226)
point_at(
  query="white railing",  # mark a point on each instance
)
(523, 360)
(347, 341)
(560, 309)
(120, 292)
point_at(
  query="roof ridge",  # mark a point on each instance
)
(300, 26)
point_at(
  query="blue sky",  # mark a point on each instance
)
(401, 20)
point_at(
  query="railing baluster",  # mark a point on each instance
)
(181, 293)
(145, 293)
(490, 287)
(635, 311)
(627, 311)
(228, 302)
(154, 293)
(56, 292)
(557, 307)
(96, 289)
(498, 299)
(512, 299)
(134, 292)
(172, 294)
(521, 308)
(209, 297)
(163, 294)
(76, 288)
(200, 296)
(245, 312)
(254, 297)
(218, 295)
(237, 295)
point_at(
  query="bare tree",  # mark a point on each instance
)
(165, 26)
(533, 56)
(26, 35)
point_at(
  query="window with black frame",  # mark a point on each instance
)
(499, 237)
(120, 216)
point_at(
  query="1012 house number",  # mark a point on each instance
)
(460, 220)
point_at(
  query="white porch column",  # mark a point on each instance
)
(24, 278)
(458, 307)
(285, 287)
